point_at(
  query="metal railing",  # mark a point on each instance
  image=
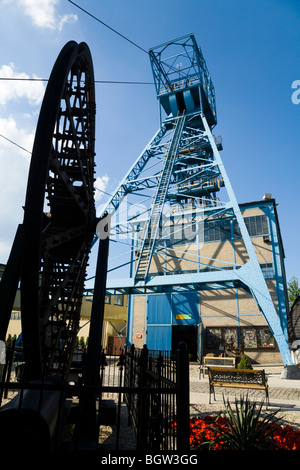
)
(158, 398)
(140, 392)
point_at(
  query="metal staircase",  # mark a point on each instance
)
(149, 234)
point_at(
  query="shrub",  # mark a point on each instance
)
(244, 363)
(246, 430)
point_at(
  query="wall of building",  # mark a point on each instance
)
(225, 315)
(115, 318)
(139, 321)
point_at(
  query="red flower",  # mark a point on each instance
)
(204, 431)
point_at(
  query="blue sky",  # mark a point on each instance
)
(252, 52)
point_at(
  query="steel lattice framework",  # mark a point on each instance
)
(52, 245)
(49, 258)
(180, 175)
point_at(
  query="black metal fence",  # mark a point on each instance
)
(142, 401)
(158, 398)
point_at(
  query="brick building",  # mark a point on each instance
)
(213, 318)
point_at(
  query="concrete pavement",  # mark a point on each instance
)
(283, 393)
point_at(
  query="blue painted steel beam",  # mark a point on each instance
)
(278, 256)
(183, 85)
(125, 186)
(251, 271)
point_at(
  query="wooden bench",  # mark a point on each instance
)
(210, 361)
(237, 378)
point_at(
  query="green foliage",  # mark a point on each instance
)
(10, 339)
(68, 431)
(293, 290)
(244, 363)
(80, 342)
(248, 430)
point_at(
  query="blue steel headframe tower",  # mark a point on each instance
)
(171, 194)
(182, 79)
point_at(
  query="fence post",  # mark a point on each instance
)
(142, 425)
(183, 397)
(129, 378)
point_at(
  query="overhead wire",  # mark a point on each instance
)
(36, 79)
(109, 27)
(14, 143)
(95, 81)
(115, 82)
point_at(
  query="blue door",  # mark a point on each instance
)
(185, 309)
(159, 318)
(167, 310)
(159, 337)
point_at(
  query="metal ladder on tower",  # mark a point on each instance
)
(151, 227)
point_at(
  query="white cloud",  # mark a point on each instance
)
(14, 160)
(15, 89)
(43, 13)
(100, 185)
(10, 130)
(14, 165)
(66, 19)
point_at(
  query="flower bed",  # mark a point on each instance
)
(207, 432)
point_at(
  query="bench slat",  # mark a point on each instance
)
(238, 385)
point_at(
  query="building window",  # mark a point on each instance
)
(217, 232)
(107, 299)
(267, 270)
(185, 231)
(118, 299)
(216, 337)
(15, 316)
(257, 225)
(255, 337)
